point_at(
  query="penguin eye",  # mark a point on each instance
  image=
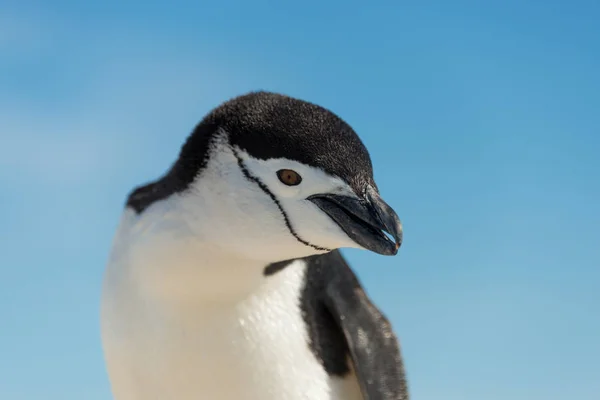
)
(289, 177)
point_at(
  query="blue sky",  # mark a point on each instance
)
(482, 119)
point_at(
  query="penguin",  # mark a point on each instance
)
(225, 279)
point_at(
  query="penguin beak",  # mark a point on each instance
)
(365, 220)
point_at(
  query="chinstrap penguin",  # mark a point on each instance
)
(225, 281)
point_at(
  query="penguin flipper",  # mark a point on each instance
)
(373, 346)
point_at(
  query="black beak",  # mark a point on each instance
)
(364, 220)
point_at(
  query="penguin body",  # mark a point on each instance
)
(224, 280)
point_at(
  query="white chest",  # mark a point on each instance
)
(253, 349)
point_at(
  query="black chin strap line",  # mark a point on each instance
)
(265, 189)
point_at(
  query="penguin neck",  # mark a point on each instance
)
(201, 273)
(160, 260)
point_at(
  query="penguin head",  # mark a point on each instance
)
(270, 177)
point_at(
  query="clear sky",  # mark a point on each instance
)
(482, 119)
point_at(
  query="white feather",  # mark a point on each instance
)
(186, 310)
